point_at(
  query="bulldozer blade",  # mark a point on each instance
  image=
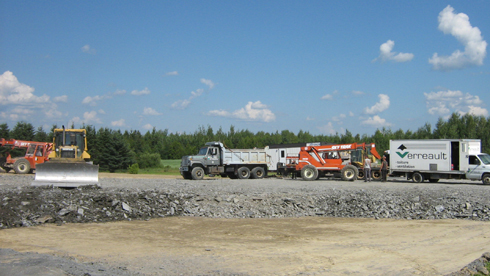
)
(66, 175)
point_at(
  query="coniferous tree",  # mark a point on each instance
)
(23, 131)
(4, 131)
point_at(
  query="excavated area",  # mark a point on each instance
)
(172, 226)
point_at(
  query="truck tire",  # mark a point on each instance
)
(186, 175)
(360, 175)
(22, 166)
(197, 173)
(309, 173)
(486, 179)
(243, 173)
(349, 173)
(417, 177)
(258, 173)
(376, 175)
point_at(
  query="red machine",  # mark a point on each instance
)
(340, 160)
(36, 153)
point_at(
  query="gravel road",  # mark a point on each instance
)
(128, 198)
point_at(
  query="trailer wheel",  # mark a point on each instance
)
(349, 173)
(486, 179)
(243, 173)
(258, 173)
(197, 173)
(417, 177)
(309, 173)
(22, 166)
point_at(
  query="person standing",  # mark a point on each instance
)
(367, 169)
(384, 169)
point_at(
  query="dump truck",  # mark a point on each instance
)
(69, 163)
(435, 159)
(343, 161)
(216, 159)
(35, 153)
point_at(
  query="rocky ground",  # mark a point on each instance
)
(142, 199)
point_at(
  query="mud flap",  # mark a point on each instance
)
(66, 175)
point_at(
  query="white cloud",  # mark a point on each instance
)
(20, 101)
(88, 118)
(150, 111)
(119, 123)
(209, 83)
(329, 96)
(351, 113)
(63, 99)
(382, 105)
(89, 50)
(182, 104)
(253, 111)
(92, 101)
(145, 91)
(443, 103)
(14, 92)
(310, 119)
(173, 73)
(386, 54)
(357, 92)
(327, 129)
(376, 121)
(458, 25)
(148, 126)
(101, 111)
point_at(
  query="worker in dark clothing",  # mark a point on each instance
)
(384, 169)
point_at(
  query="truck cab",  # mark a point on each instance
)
(479, 168)
(207, 161)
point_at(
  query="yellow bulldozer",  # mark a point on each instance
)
(69, 164)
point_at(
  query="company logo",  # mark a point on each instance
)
(402, 155)
(418, 156)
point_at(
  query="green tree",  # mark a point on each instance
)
(4, 131)
(23, 131)
(41, 135)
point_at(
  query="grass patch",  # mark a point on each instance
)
(168, 167)
(487, 265)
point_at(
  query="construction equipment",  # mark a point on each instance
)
(338, 160)
(69, 163)
(35, 153)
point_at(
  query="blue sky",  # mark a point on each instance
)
(317, 66)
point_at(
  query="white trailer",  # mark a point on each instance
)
(432, 160)
(284, 155)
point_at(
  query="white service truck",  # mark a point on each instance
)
(432, 160)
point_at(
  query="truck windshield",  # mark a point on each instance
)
(203, 151)
(485, 158)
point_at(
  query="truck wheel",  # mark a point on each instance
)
(349, 173)
(376, 175)
(243, 173)
(417, 177)
(186, 175)
(22, 166)
(258, 173)
(486, 179)
(197, 173)
(360, 175)
(309, 173)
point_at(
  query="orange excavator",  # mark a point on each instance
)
(338, 160)
(36, 153)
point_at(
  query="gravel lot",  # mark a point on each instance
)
(124, 198)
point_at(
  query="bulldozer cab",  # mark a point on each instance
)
(70, 143)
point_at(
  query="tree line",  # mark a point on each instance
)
(114, 149)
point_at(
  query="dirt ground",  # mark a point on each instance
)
(290, 246)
